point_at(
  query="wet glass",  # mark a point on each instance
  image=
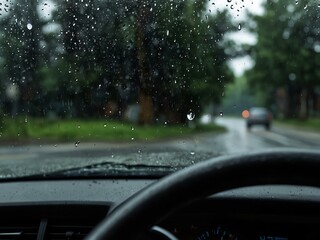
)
(157, 85)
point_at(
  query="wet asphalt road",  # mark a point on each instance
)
(35, 159)
(239, 139)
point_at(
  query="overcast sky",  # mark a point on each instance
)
(238, 10)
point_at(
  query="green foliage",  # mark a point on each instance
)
(94, 55)
(312, 124)
(287, 53)
(92, 130)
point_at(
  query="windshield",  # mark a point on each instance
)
(149, 84)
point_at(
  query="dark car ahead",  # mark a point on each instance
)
(259, 116)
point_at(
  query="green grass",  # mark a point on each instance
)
(312, 124)
(94, 130)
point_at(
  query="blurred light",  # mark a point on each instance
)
(206, 119)
(245, 114)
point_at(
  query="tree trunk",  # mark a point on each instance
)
(303, 111)
(145, 84)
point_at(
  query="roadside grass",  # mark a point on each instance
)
(312, 124)
(34, 129)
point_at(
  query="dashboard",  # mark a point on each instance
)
(70, 209)
(246, 219)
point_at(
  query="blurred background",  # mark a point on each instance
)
(85, 69)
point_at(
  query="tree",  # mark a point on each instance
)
(21, 36)
(287, 53)
(169, 57)
(182, 59)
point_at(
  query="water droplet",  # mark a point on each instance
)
(191, 116)
(79, 126)
(132, 128)
(132, 138)
(306, 6)
(221, 114)
(192, 153)
(29, 26)
(168, 32)
(105, 125)
(26, 120)
(229, 1)
(239, 27)
(76, 144)
(297, 1)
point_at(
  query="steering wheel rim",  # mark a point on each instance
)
(145, 209)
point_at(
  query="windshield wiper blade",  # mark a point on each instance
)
(120, 166)
(110, 169)
(102, 170)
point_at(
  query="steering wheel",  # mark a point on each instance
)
(142, 211)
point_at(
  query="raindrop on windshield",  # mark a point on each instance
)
(192, 153)
(132, 128)
(29, 26)
(76, 144)
(221, 114)
(191, 116)
(239, 27)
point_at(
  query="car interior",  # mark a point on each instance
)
(159, 120)
(269, 195)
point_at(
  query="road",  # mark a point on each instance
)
(33, 159)
(239, 139)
